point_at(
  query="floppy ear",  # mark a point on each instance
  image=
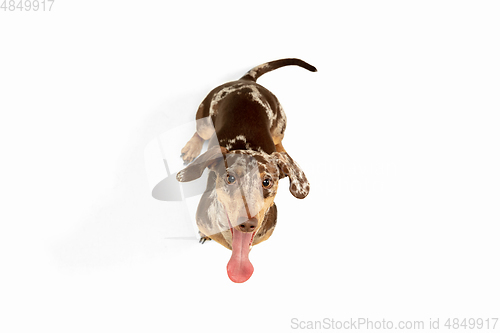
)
(299, 185)
(195, 169)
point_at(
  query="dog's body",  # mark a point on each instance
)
(246, 158)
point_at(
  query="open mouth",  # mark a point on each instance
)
(239, 267)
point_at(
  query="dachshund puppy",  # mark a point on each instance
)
(245, 125)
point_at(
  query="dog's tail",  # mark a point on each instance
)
(258, 71)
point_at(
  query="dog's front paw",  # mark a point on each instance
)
(204, 238)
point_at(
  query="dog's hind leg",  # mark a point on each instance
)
(192, 148)
(204, 131)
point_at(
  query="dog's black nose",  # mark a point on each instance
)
(247, 225)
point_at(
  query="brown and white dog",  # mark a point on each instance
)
(245, 125)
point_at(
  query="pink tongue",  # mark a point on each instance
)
(239, 268)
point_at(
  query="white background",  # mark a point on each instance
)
(398, 132)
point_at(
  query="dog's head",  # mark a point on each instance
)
(246, 185)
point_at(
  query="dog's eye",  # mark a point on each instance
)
(230, 179)
(267, 183)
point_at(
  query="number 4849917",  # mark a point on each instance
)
(27, 5)
(471, 323)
